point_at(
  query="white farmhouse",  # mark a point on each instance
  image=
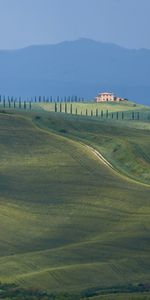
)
(104, 97)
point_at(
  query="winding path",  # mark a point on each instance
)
(109, 165)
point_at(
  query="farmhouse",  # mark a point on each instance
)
(104, 97)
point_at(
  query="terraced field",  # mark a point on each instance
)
(68, 222)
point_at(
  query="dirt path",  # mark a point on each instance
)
(101, 157)
(109, 165)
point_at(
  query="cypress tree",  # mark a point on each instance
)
(4, 102)
(55, 107)
(19, 103)
(65, 108)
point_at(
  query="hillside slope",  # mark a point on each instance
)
(67, 221)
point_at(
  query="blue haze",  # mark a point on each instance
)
(28, 22)
(83, 68)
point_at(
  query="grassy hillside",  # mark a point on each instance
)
(126, 107)
(125, 144)
(144, 296)
(68, 222)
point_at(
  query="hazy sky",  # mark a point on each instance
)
(28, 22)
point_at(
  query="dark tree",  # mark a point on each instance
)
(65, 108)
(55, 107)
(107, 113)
(4, 102)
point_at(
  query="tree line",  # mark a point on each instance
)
(103, 114)
(68, 105)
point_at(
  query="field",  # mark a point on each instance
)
(102, 110)
(68, 221)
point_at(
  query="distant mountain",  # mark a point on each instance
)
(83, 67)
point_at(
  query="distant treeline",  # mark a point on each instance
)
(44, 99)
(103, 114)
(68, 105)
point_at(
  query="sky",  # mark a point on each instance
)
(31, 22)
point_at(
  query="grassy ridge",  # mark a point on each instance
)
(67, 221)
(112, 108)
(126, 146)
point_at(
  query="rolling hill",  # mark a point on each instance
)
(83, 67)
(68, 222)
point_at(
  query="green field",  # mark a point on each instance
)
(68, 221)
(100, 110)
(144, 296)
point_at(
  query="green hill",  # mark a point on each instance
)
(68, 221)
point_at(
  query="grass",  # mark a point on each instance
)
(136, 296)
(125, 144)
(113, 109)
(68, 222)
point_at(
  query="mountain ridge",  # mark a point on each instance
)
(82, 67)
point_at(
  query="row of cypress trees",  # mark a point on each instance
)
(43, 99)
(103, 114)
